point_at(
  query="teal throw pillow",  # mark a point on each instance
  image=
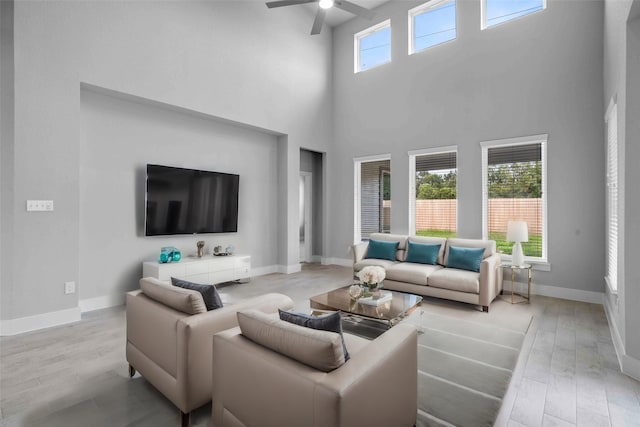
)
(423, 253)
(465, 258)
(382, 250)
(331, 322)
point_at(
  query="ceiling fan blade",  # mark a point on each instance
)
(281, 3)
(354, 8)
(317, 23)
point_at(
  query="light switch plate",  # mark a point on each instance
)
(39, 205)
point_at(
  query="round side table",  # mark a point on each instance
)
(514, 269)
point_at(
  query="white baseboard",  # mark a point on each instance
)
(98, 303)
(261, 271)
(288, 269)
(631, 366)
(39, 321)
(316, 258)
(628, 365)
(345, 262)
(567, 293)
(556, 292)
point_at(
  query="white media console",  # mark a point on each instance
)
(208, 269)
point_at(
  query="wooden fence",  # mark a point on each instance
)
(441, 214)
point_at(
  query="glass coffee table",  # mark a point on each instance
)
(388, 313)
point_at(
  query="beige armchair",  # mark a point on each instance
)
(169, 338)
(256, 386)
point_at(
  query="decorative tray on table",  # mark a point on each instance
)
(385, 296)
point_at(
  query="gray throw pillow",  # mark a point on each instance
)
(331, 322)
(209, 292)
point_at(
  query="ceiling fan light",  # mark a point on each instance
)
(326, 4)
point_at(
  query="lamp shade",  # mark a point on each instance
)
(517, 231)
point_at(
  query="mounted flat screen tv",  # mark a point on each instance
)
(189, 201)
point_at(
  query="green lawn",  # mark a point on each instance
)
(436, 233)
(531, 248)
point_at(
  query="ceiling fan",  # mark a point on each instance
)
(323, 6)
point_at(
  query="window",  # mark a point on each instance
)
(373, 46)
(612, 196)
(495, 12)
(431, 24)
(433, 199)
(514, 189)
(372, 213)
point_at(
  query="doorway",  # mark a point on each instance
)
(311, 200)
(306, 209)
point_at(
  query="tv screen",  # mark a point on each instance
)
(189, 201)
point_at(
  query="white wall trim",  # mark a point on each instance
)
(615, 333)
(344, 262)
(628, 365)
(98, 303)
(261, 271)
(555, 292)
(568, 293)
(289, 269)
(316, 258)
(39, 321)
(631, 366)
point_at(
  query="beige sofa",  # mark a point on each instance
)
(439, 281)
(169, 338)
(376, 387)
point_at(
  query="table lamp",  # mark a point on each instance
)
(517, 232)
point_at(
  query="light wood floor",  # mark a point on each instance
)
(76, 375)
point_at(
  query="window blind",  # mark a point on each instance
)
(436, 194)
(375, 211)
(612, 198)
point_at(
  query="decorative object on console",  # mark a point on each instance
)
(200, 246)
(217, 250)
(517, 232)
(169, 254)
(230, 249)
(372, 276)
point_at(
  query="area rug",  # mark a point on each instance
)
(464, 370)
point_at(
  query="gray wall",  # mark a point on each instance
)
(6, 140)
(539, 74)
(621, 71)
(237, 61)
(118, 138)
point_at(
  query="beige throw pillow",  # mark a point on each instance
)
(319, 349)
(184, 300)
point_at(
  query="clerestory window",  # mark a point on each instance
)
(431, 24)
(372, 47)
(495, 12)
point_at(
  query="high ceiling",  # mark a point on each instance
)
(336, 16)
